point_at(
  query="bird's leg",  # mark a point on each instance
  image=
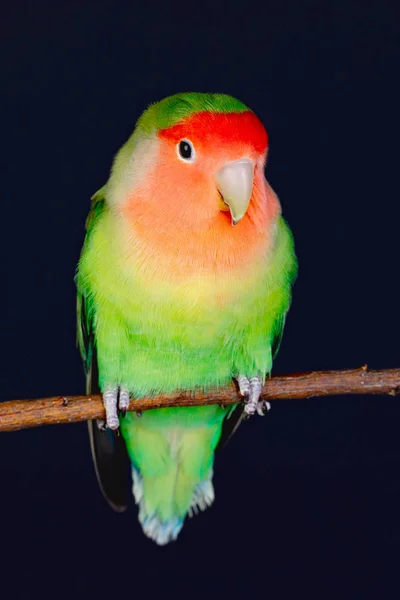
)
(114, 398)
(250, 389)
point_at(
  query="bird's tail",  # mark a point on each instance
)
(172, 476)
(163, 523)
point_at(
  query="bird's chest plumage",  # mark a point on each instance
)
(172, 296)
(193, 312)
(159, 330)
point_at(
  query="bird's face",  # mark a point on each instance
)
(187, 184)
(203, 171)
(213, 160)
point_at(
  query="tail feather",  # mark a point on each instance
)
(164, 530)
(203, 497)
(172, 468)
(160, 532)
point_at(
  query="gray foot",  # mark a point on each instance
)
(123, 402)
(114, 399)
(250, 389)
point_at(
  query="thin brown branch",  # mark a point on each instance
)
(20, 414)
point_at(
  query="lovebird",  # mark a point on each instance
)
(183, 284)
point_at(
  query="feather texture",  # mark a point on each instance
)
(175, 298)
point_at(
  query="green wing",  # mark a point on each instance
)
(287, 264)
(236, 414)
(84, 331)
(109, 453)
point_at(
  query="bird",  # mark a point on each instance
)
(183, 284)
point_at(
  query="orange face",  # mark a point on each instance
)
(178, 205)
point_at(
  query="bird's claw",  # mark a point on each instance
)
(250, 389)
(123, 401)
(114, 399)
(263, 406)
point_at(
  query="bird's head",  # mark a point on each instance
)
(194, 164)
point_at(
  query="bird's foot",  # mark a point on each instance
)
(250, 389)
(123, 400)
(114, 399)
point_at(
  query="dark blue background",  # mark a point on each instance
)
(308, 499)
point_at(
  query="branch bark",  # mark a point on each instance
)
(21, 414)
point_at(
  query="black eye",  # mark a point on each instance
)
(186, 151)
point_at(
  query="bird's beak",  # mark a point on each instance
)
(235, 184)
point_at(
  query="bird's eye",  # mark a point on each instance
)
(186, 151)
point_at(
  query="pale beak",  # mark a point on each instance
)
(235, 183)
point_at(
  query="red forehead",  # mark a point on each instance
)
(226, 128)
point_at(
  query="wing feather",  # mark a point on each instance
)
(110, 458)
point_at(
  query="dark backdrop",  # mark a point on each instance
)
(307, 499)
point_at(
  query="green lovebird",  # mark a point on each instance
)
(184, 283)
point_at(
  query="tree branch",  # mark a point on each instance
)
(20, 414)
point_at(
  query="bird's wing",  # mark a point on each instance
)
(109, 453)
(286, 265)
(236, 414)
